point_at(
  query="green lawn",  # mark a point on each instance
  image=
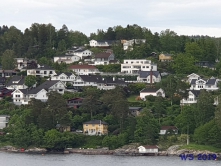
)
(132, 98)
(201, 147)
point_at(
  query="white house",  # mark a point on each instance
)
(192, 76)
(152, 91)
(16, 82)
(24, 63)
(148, 149)
(129, 43)
(23, 96)
(209, 85)
(4, 119)
(167, 129)
(191, 99)
(103, 58)
(101, 43)
(64, 77)
(110, 83)
(134, 65)
(149, 76)
(42, 71)
(86, 80)
(68, 59)
(84, 69)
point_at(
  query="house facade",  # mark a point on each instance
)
(4, 120)
(64, 77)
(84, 69)
(75, 102)
(23, 96)
(128, 44)
(101, 43)
(103, 58)
(42, 71)
(68, 59)
(8, 73)
(165, 57)
(95, 127)
(133, 66)
(148, 149)
(168, 130)
(86, 80)
(191, 99)
(209, 85)
(151, 91)
(4, 92)
(149, 76)
(192, 76)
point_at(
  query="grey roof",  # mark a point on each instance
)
(149, 90)
(111, 81)
(193, 81)
(195, 92)
(20, 79)
(211, 82)
(46, 85)
(95, 122)
(90, 78)
(66, 73)
(135, 108)
(145, 74)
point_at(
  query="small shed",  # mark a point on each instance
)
(148, 149)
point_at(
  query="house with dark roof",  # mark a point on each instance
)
(23, 96)
(86, 80)
(68, 59)
(151, 91)
(79, 51)
(8, 73)
(209, 85)
(103, 58)
(191, 98)
(168, 130)
(75, 102)
(149, 76)
(95, 127)
(205, 64)
(84, 69)
(135, 111)
(24, 63)
(16, 82)
(64, 77)
(165, 57)
(41, 71)
(110, 83)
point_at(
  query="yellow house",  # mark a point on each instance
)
(165, 57)
(95, 127)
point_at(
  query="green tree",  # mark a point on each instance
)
(30, 81)
(147, 128)
(7, 60)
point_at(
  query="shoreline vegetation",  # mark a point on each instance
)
(127, 150)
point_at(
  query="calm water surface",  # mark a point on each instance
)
(18, 159)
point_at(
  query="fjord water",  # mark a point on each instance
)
(18, 159)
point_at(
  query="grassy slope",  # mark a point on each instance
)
(201, 147)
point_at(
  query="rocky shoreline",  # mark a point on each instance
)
(128, 150)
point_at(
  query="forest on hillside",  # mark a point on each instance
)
(44, 40)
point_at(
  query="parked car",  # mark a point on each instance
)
(79, 131)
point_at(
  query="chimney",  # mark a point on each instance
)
(113, 78)
(3, 73)
(151, 77)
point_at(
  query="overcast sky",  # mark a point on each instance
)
(185, 17)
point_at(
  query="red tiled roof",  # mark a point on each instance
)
(151, 146)
(82, 67)
(168, 128)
